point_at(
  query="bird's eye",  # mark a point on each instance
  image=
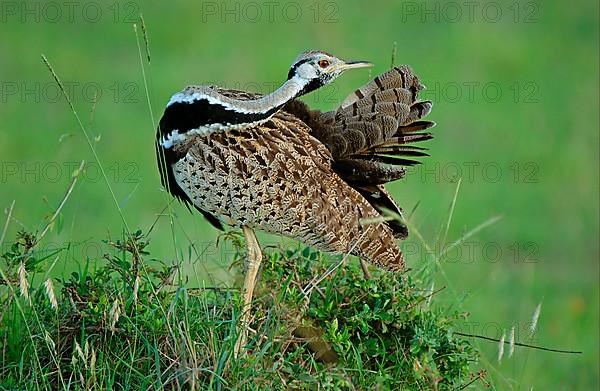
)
(323, 63)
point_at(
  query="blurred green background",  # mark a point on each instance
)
(515, 92)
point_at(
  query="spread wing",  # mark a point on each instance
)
(372, 134)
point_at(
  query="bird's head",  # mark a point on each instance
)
(314, 69)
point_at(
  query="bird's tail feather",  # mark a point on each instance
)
(373, 135)
(371, 129)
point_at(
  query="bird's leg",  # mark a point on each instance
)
(365, 268)
(252, 266)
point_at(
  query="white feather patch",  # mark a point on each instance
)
(175, 137)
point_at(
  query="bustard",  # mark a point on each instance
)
(270, 163)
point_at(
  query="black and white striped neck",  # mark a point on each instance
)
(202, 110)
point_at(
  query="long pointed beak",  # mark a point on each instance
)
(353, 65)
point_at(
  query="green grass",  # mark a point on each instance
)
(124, 323)
(545, 144)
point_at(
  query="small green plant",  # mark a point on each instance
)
(124, 324)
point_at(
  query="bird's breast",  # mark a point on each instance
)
(257, 177)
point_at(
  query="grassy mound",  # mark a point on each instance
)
(124, 324)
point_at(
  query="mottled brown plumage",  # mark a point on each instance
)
(313, 176)
(277, 178)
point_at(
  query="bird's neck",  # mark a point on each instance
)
(288, 91)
